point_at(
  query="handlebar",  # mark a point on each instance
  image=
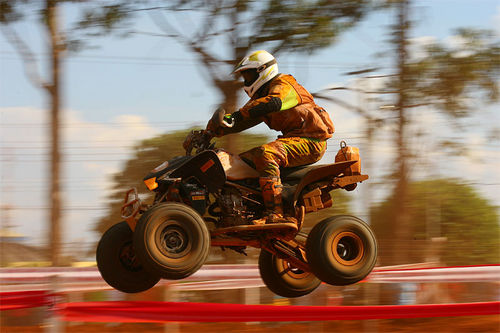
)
(199, 140)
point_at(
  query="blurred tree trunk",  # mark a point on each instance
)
(54, 88)
(442, 80)
(401, 221)
(229, 91)
(11, 12)
(445, 81)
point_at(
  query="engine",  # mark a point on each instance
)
(232, 208)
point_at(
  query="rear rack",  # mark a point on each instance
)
(348, 180)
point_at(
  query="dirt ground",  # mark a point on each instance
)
(441, 325)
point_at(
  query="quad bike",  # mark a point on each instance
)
(210, 198)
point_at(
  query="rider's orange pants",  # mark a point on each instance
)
(284, 152)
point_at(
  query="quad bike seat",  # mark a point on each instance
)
(292, 174)
(295, 179)
(295, 174)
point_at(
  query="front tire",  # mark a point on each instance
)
(172, 240)
(118, 264)
(341, 250)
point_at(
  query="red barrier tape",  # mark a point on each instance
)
(24, 299)
(213, 312)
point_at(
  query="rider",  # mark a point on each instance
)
(284, 105)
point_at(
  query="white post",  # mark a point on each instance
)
(170, 294)
(53, 324)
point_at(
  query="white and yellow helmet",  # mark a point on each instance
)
(257, 68)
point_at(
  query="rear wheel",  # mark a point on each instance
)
(172, 240)
(341, 250)
(283, 278)
(118, 264)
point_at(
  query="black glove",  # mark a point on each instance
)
(187, 144)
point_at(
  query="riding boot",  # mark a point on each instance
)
(271, 193)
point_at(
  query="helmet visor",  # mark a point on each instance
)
(249, 76)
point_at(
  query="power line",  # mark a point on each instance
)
(65, 161)
(91, 181)
(70, 148)
(76, 208)
(150, 123)
(110, 124)
(160, 61)
(67, 154)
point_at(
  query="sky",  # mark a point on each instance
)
(127, 89)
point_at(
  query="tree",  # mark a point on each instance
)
(445, 79)
(10, 12)
(235, 27)
(60, 41)
(442, 208)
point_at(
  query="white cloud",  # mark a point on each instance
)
(417, 46)
(122, 130)
(92, 152)
(496, 21)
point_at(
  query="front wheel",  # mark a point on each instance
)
(118, 264)
(172, 240)
(341, 250)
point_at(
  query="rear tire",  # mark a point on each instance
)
(283, 279)
(172, 240)
(341, 250)
(118, 264)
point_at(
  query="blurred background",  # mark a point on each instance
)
(94, 94)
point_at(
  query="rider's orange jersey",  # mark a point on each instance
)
(299, 115)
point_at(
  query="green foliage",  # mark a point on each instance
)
(449, 77)
(443, 208)
(242, 25)
(93, 20)
(8, 12)
(294, 24)
(150, 153)
(104, 19)
(305, 25)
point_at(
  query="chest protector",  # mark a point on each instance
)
(306, 119)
